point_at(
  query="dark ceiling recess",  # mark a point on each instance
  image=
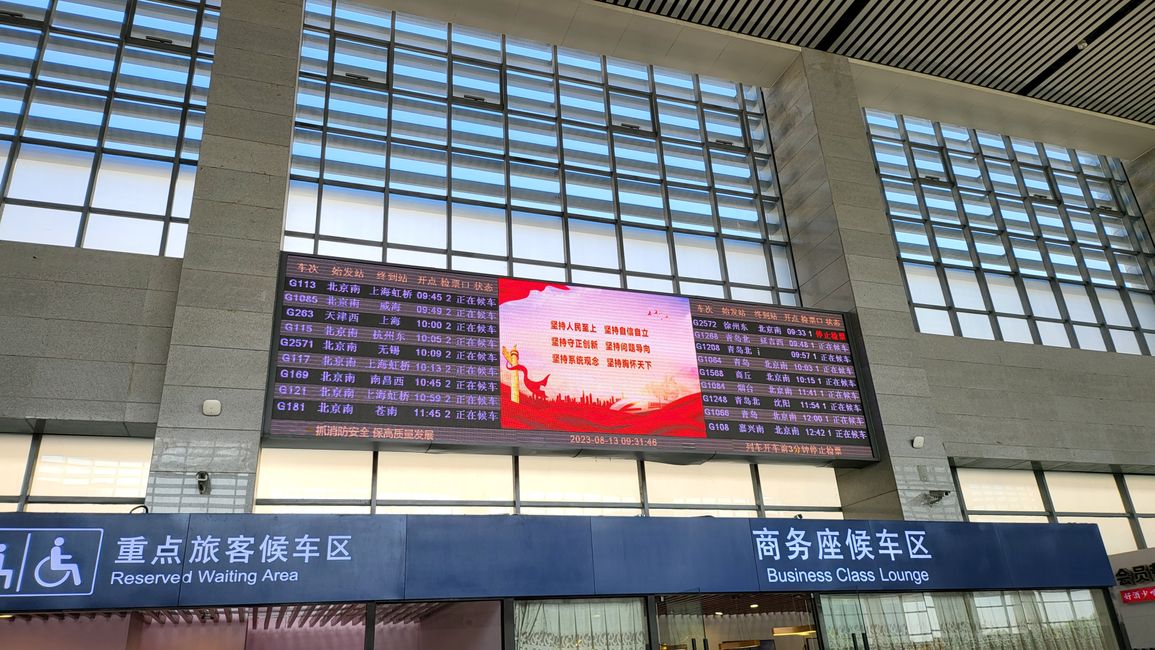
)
(1097, 55)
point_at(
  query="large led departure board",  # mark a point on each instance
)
(388, 353)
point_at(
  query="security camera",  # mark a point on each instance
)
(934, 496)
(204, 484)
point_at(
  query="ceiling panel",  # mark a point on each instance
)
(1027, 47)
(1113, 76)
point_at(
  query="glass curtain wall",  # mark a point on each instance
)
(101, 112)
(588, 624)
(444, 146)
(1009, 239)
(364, 482)
(1012, 620)
(1121, 505)
(73, 473)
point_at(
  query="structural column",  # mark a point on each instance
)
(1141, 173)
(224, 306)
(846, 261)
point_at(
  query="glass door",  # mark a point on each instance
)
(1023, 620)
(765, 621)
(843, 623)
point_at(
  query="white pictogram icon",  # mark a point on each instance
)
(6, 574)
(55, 561)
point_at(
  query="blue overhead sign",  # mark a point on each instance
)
(50, 562)
(812, 555)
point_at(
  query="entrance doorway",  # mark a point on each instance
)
(737, 622)
(332, 626)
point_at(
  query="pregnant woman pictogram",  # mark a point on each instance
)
(55, 561)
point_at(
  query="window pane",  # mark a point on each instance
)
(746, 263)
(975, 326)
(1142, 491)
(420, 73)
(51, 175)
(535, 187)
(582, 103)
(85, 466)
(528, 54)
(798, 485)
(1016, 330)
(593, 244)
(1083, 492)
(590, 195)
(709, 483)
(358, 60)
(1116, 532)
(422, 32)
(530, 92)
(133, 184)
(444, 477)
(964, 289)
(646, 250)
(39, 225)
(535, 139)
(924, 285)
(478, 178)
(476, 82)
(933, 321)
(679, 120)
(164, 21)
(1009, 519)
(354, 251)
(478, 229)
(1042, 298)
(641, 202)
(578, 480)
(636, 156)
(314, 474)
(417, 169)
(123, 234)
(1053, 334)
(1000, 489)
(538, 237)
(77, 62)
(697, 257)
(1004, 294)
(357, 214)
(416, 221)
(13, 462)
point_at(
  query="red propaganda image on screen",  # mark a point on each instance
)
(589, 360)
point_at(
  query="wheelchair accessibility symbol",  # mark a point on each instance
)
(56, 563)
(49, 561)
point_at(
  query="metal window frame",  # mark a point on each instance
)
(24, 498)
(1114, 179)
(109, 96)
(740, 110)
(758, 509)
(1129, 513)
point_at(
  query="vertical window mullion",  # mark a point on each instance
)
(390, 57)
(615, 178)
(1129, 507)
(555, 75)
(102, 134)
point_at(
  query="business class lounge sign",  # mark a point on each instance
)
(812, 555)
(365, 350)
